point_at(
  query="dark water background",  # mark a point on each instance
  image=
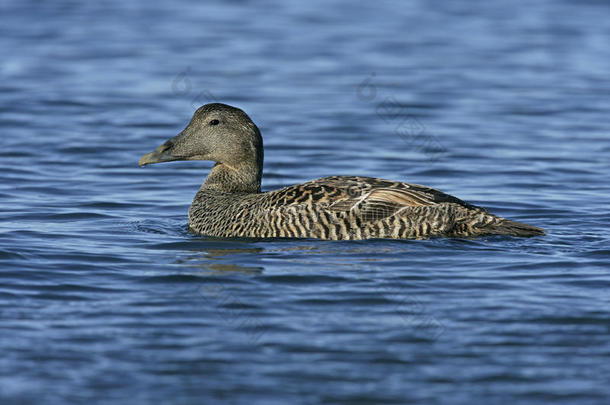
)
(105, 297)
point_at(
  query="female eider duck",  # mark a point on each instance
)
(230, 202)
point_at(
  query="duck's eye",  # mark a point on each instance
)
(214, 122)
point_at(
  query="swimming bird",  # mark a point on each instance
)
(230, 202)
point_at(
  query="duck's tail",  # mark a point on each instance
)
(511, 228)
(477, 221)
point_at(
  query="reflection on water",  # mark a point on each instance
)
(216, 260)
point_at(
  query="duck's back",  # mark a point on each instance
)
(342, 207)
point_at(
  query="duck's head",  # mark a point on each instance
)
(217, 132)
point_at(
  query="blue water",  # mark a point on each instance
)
(106, 298)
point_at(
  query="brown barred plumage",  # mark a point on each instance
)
(230, 203)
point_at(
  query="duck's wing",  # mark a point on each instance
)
(376, 199)
(373, 198)
(366, 200)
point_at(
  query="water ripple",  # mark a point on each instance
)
(106, 296)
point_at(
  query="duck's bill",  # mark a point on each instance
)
(158, 155)
(176, 148)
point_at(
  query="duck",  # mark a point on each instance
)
(230, 203)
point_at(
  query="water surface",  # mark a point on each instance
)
(105, 296)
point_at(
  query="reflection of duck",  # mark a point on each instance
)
(219, 259)
(230, 202)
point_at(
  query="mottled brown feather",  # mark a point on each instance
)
(342, 207)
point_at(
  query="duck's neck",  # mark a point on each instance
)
(242, 178)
